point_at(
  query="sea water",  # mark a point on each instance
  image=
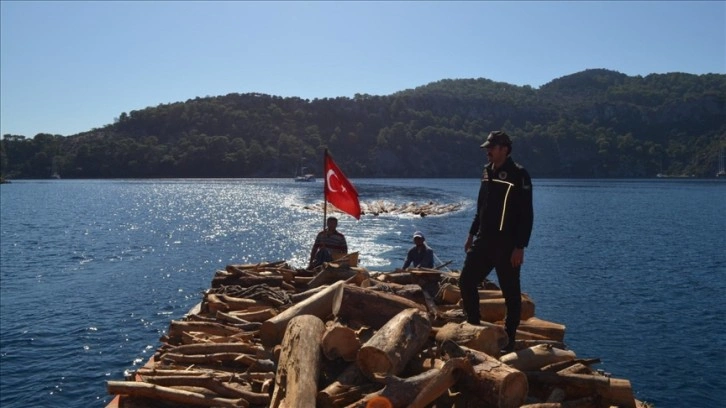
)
(92, 272)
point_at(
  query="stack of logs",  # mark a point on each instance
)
(268, 335)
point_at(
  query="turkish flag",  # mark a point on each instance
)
(338, 190)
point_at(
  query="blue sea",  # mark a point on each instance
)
(92, 272)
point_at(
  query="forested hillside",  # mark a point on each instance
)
(595, 123)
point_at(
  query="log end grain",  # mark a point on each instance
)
(372, 361)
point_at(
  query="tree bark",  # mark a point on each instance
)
(494, 310)
(417, 391)
(551, 330)
(369, 307)
(177, 328)
(210, 348)
(393, 345)
(451, 294)
(487, 338)
(493, 382)
(296, 382)
(246, 281)
(255, 316)
(332, 273)
(340, 341)
(213, 384)
(350, 386)
(536, 357)
(142, 389)
(612, 391)
(320, 305)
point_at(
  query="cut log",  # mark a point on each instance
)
(393, 345)
(226, 376)
(246, 281)
(340, 341)
(536, 357)
(177, 328)
(525, 343)
(361, 276)
(417, 391)
(254, 316)
(332, 273)
(410, 292)
(204, 359)
(451, 294)
(213, 384)
(236, 303)
(442, 380)
(194, 337)
(320, 305)
(350, 386)
(420, 363)
(404, 278)
(487, 338)
(299, 297)
(577, 368)
(554, 367)
(142, 389)
(494, 383)
(612, 391)
(296, 382)
(349, 259)
(550, 330)
(369, 307)
(494, 310)
(210, 348)
(247, 268)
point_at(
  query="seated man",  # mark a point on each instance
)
(420, 255)
(329, 244)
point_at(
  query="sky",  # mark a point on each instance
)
(68, 67)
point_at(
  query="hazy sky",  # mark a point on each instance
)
(68, 67)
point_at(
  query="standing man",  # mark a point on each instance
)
(329, 244)
(499, 233)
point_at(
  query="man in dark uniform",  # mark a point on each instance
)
(499, 233)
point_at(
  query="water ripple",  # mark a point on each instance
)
(91, 272)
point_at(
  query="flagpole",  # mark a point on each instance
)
(325, 190)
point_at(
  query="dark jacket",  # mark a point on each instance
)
(504, 207)
(420, 257)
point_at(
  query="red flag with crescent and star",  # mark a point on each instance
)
(338, 190)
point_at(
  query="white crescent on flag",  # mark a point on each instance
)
(342, 195)
(330, 174)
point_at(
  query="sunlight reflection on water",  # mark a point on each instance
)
(125, 257)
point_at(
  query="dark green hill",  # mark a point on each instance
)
(594, 123)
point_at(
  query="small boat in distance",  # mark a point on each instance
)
(303, 176)
(721, 173)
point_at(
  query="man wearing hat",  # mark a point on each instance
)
(499, 233)
(420, 255)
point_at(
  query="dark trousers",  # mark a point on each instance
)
(323, 255)
(480, 260)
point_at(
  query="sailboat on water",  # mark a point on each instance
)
(54, 170)
(303, 176)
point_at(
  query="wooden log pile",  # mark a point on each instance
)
(269, 335)
(380, 207)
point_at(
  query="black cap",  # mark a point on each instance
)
(497, 138)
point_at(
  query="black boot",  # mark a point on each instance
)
(510, 342)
